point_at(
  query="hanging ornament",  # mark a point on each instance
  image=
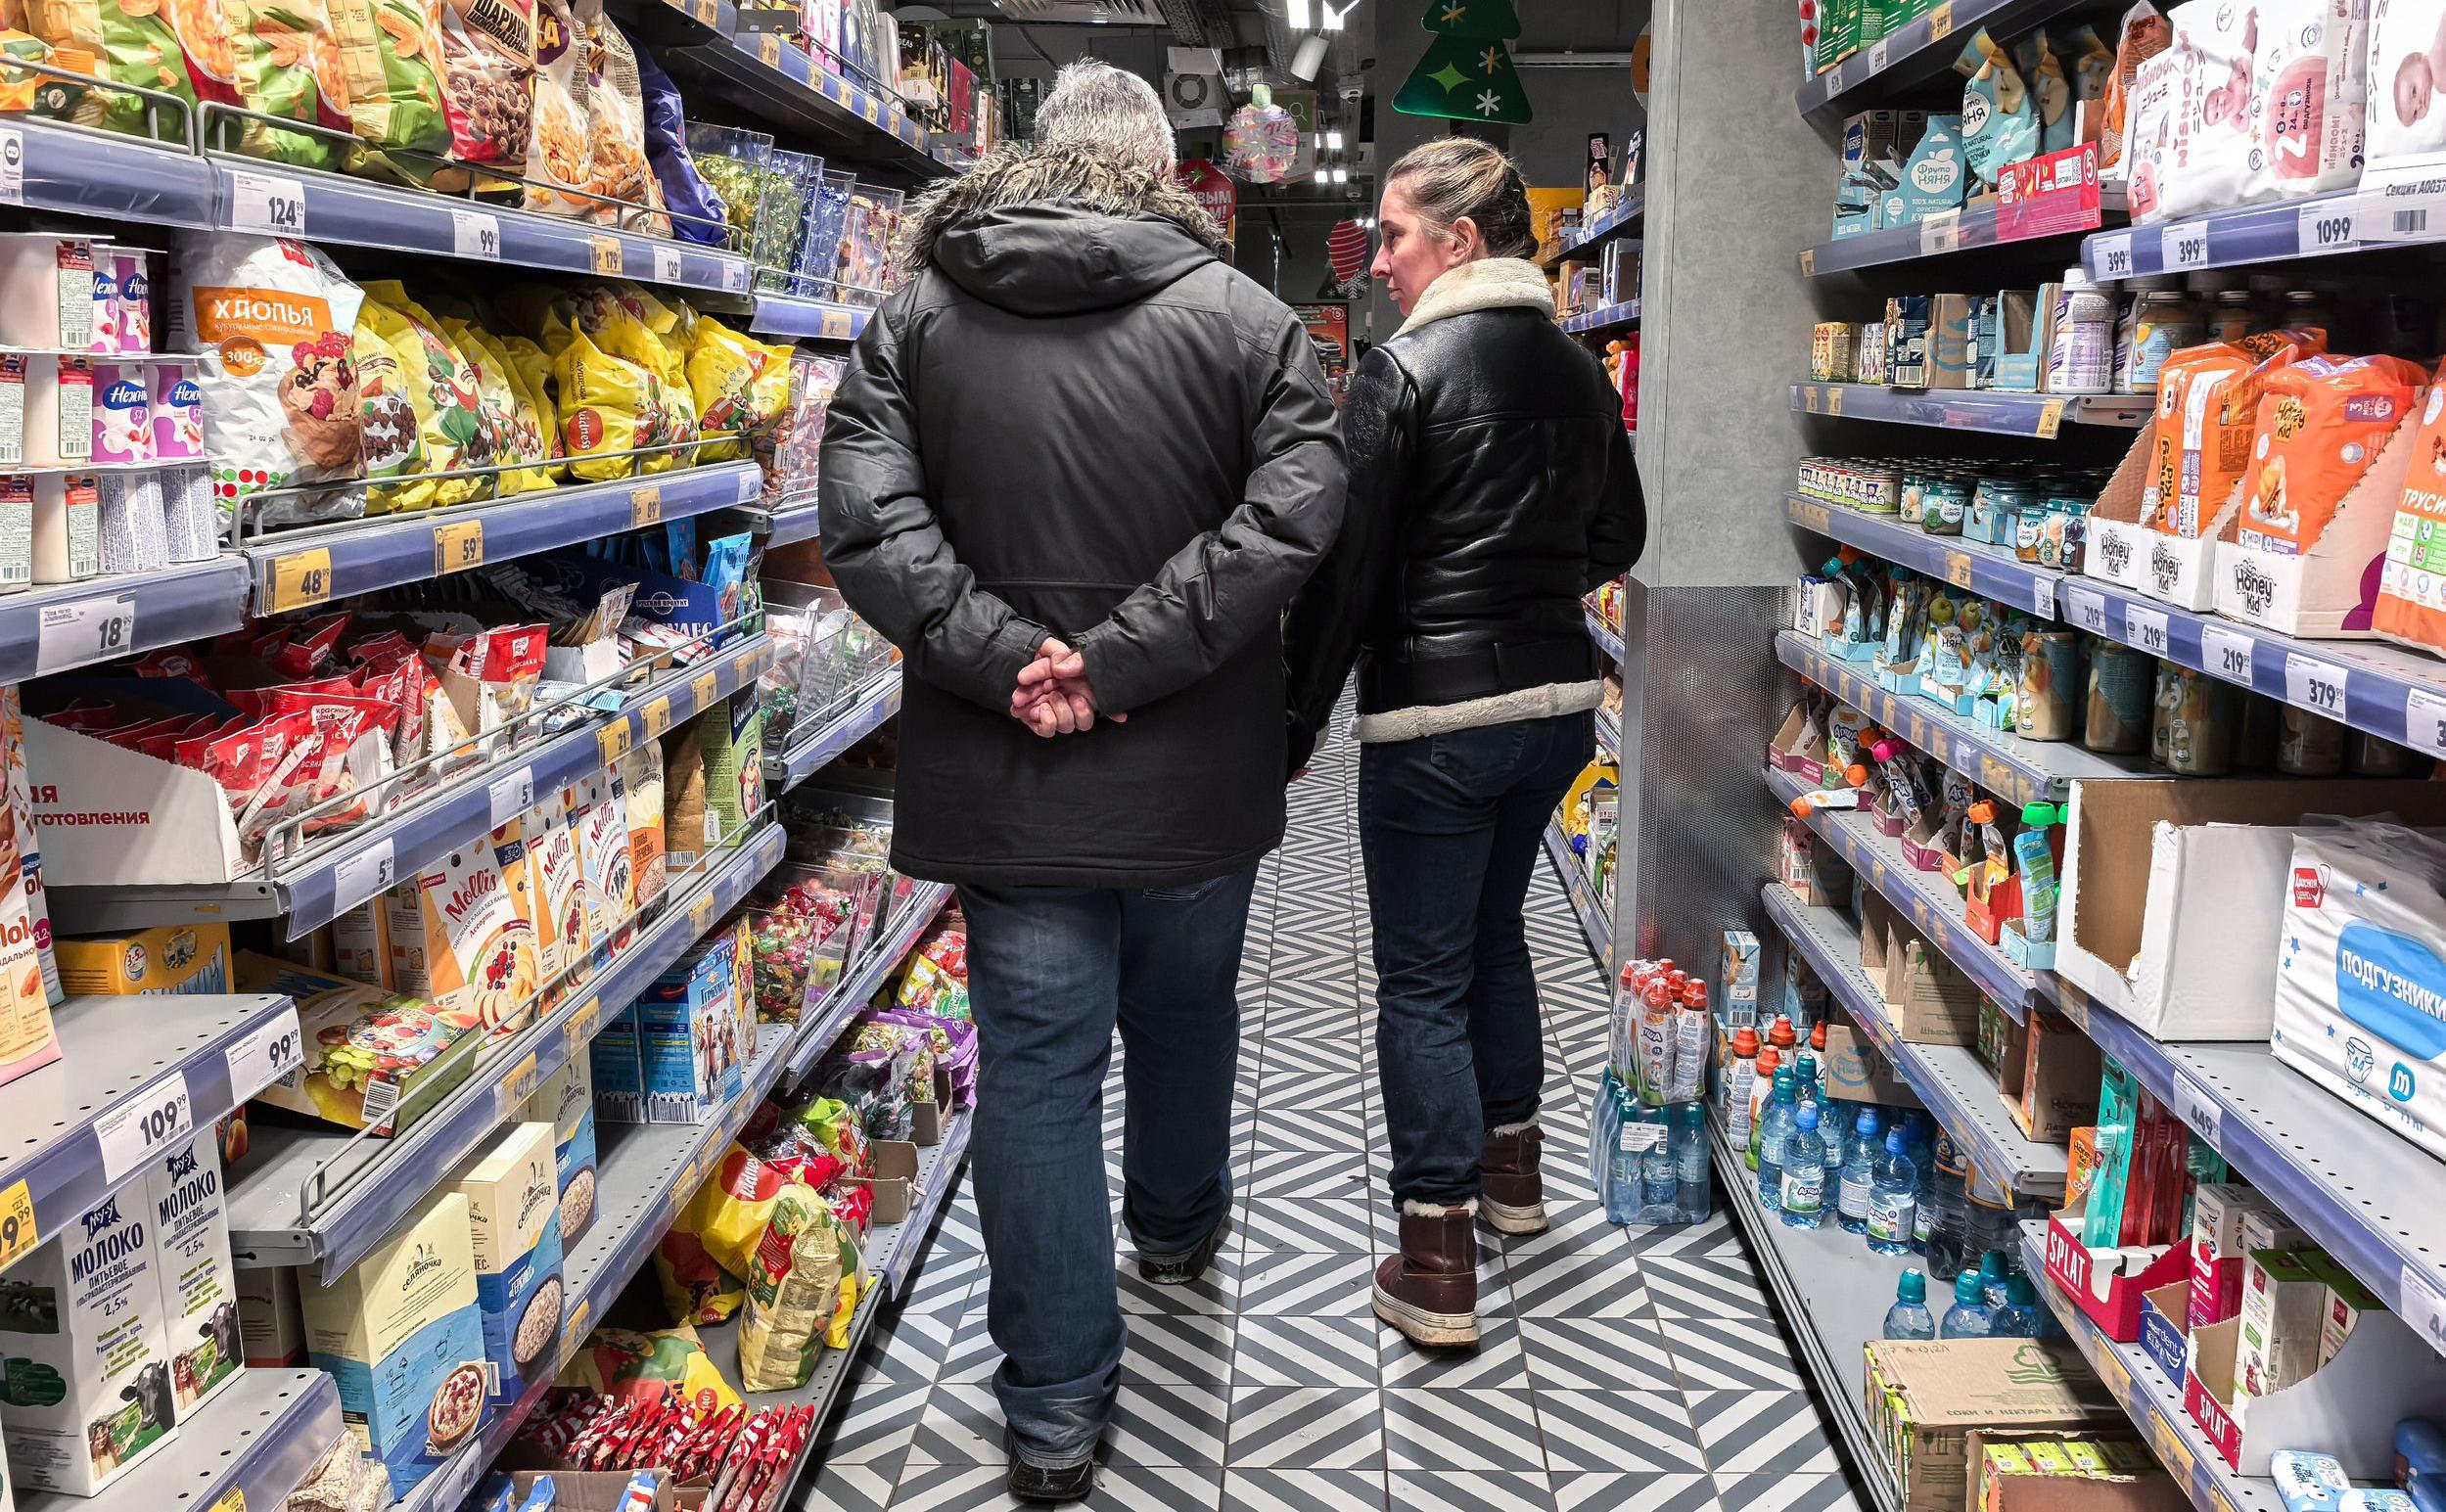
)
(1345, 248)
(1467, 74)
(1492, 19)
(1260, 140)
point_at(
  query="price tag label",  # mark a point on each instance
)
(147, 1127)
(84, 631)
(1809, 396)
(872, 111)
(735, 277)
(751, 483)
(519, 1083)
(667, 265)
(2084, 608)
(511, 795)
(1940, 233)
(1877, 54)
(2165, 1435)
(2196, 1107)
(268, 203)
(2424, 722)
(657, 718)
(2116, 1377)
(12, 166)
(837, 325)
(701, 915)
(476, 233)
(582, 1026)
(1957, 569)
(768, 48)
(233, 1499)
(645, 506)
(2042, 597)
(2420, 1303)
(2183, 246)
(573, 1332)
(2227, 652)
(705, 688)
(2325, 225)
(2114, 254)
(603, 255)
(2144, 628)
(458, 545)
(2050, 419)
(1999, 779)
(1941, 21)
(1834, 80)
(1834, 399)
(2218, 1501)
(1809, 262)
(300, 579)
(613, 740)
(1812, 517)
(366, 874)
(18, 1235)
(707, 12)
(2316, 685)
(264, 1056)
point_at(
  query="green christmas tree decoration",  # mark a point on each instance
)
(1490, 20)
(1465, 77)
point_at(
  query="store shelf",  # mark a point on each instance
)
(332, 208)
(1606, 317)
(790, 525)
(1914, 53)
(1626, 214)
(1991, 410)
(385, 551)
(870, 706)
(2391, 692)
(1969, 230)
(250, 1447)
(1609, 736)
(937, 1171)
(1963, 563)
(1833, 1292)
(2317, 226)
(2152, 1403)
(2371, 1197)
(68, 625)
(324, 1197)
(315, 887)
(2018, 771)
(1585, 903)
(811, 320)
(782, 85)
(819, 1026)
(72, 1127)
(1608, 639)
(1957, 1091)
(1926, 900)
(109, 175)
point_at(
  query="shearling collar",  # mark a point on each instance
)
(1013, 175)
(1489, 283)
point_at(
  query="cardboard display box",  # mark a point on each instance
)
(1856, 1071)
(2107, 1282)
(2023, 1470)
(2177, 570)
(2348, 1406)
(2047, 1077)
(1926, 1397)
(2332, 591)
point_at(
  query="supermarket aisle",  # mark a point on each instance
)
(1644, 1374)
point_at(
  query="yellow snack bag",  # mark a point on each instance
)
(722, 369)
(420, 413)
(669, 414)
(516, 431)
(643, 1369)
(608, 406)
(531, 367)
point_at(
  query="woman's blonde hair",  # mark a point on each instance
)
(1456, 177)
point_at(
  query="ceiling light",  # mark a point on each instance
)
(1295, 14)
(1325, 175)
(1327, 18)
(1333, 139)
(1308, 59)
(1341, 176)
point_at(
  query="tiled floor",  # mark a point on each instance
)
(1638, 1370)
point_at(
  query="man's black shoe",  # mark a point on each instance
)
(1050, 1487)
(1191, 1266)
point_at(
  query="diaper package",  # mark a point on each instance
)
(2360, 989)
(2311, 80)
(2412, 585)
(2148, 141)
(2322, 422)
(2213, 156)
(2406, 84)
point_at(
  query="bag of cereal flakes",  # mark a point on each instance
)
(387, 48)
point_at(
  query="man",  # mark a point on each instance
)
(1075, 471)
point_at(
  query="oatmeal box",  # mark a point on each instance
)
(566, 1102)
(513, 1209)
(87, 1355)
(403, 1334)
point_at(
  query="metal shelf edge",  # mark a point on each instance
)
(875, 702)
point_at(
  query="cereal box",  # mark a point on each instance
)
(169, 959)
(360, 943)
(373, 1059)
(513, 1209)
(564, 933)
(598, 814)
(458, 941)
(86, 1367)
(199, 1289)
(567, 1103)
(690, 1038)
(617, 1071)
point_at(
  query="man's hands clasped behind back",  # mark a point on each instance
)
(1052, 697)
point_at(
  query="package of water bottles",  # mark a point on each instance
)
(1661, 1033)
(1650, 1165)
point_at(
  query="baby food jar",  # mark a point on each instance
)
(2309, 745)
(2367, 755)
(2116, 721)
(2050, 672)
(2160, 320)
(1943, 504)
(2206, 718)
(1906, 502)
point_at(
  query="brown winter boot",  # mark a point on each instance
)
(1513, 1199)
(1430, 1290)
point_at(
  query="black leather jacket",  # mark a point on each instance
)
(1490, 486)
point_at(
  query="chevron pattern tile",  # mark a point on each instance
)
(1617, 1370)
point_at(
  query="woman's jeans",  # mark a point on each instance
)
(1449, 826)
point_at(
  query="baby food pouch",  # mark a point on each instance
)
(2407, 83)
(2320, 422)
(2412, 585)
(2044, 73)
(1999, 122)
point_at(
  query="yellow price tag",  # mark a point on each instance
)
(613, 740)
(458, 545)
(2171, 1453)
(519, 1083)
(1812, 516)
(708, 12)
(835, 325)
(1834, 399)
(1957, 569)
(233, 1499)
(701, 915)
(1941, 21)
(603, 255)
(582, 1026)
(1877, 874)
(2050, 419)
(1809, 397)
(704, 687)
(645, 505)
(18, 1235)
(868, 109)
(768, 48)
(657, 718)
(1809, 262)
(1997, 778)
(2218, 1501)
(300, 578)
(573, 1332)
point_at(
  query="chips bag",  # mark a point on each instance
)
(557, 153)
(520, 434)
(642, 1369)
(794, 1285)
(486, 52)
(289, 66)
(388, 50)
(617, 167)
(420, 404)
(2322, 421)
(138, 42)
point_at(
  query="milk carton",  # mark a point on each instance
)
(269, 1323)
(513, 1210)
(199, 1286)
(87, 1373)
(567, 1103)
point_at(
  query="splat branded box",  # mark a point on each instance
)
(86, 1378)
(199, 1290)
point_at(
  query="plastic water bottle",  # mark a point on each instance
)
(1831, 1116)
(1949, 1218)
(1994, 1272)
(2018, 1318)
(1774, 1127)
(1622, 1157)
(1910, 1317)
(1851, 1199)
(1692, 1163)
(1968, 1318)
(1893, 1198)
(1660, 1178)
(1804, 1171)
(1922, 1152)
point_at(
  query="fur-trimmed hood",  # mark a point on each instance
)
(1054, 233)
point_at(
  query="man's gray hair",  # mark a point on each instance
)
(1101, 111)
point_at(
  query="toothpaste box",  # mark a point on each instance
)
(567, 1103)
(171, 959)
(269, 1325)
(401, 1334)
(2218, 1210)
(198, 1281)
(618, 1072)
(84, 1355)
(690, 1037)
(513, 1212)
(2347, 1301)
(2285, 1303)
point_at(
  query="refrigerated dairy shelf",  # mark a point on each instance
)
(1594, 923)
(1991, 410)
(82, 1126)
(1832, 1291)
(2154, 1404)
(325, 1198)
(1606, 317)
(1926, 900)
(297, 569)
(1957, 1091)
(2316, 226)
(62, 627)
(1966, 563)
(1608, 639)
(1914, 53)
(335, 876)
(250, 1447)
(805, 319)
(2017, 770)
(859, 978)
(1626, 214)
(869, 707)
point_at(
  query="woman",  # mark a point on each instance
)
(1492, 487)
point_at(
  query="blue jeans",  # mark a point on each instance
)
(1449, 826)
(1050, 971)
